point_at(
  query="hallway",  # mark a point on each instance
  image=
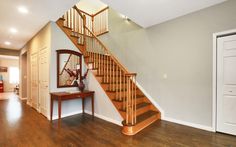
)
(23, 126)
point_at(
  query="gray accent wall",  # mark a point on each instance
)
(173, 59)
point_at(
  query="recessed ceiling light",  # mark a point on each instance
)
(7, 43)
(23, 9)
(13, 30)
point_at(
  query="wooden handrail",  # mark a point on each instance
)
(82, 11)
(100, 11)
(79, 11)
(114, 58)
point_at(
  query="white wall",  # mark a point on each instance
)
(8, 87)
(181, 49)
(61, 41)
(103, 106)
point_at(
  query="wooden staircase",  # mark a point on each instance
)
(119, 84)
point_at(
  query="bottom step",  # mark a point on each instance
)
(143, 121)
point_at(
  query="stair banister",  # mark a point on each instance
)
(120, 84)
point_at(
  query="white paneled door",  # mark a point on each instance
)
(34, 81)
(226, 84)
(43, 81)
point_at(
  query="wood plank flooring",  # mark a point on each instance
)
(20, 125)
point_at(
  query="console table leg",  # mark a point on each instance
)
(92, 105)
(83, 105)
(51, 108)
(59, 109)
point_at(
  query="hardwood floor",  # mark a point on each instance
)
(20, 125)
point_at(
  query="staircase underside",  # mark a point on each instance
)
(146, 112)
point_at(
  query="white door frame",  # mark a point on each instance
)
(214, 74)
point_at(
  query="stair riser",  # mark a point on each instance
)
(142, 110)
(107, 86)
(112, 80)
(105, 58)
(120, 104)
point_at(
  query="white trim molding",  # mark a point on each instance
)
(105, 118)
(214, 74)
(193, 125)
(54, 117)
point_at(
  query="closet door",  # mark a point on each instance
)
(43, 81)
(34, 80)
(226, 84)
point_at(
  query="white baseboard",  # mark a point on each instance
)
(54, 117)
(198, 126)
(152, 100)
(105, 118)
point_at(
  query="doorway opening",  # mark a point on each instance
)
(9, 76)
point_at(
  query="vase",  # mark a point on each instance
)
(81, 85)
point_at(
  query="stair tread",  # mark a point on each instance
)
(113, 82)
(75, 36)
(108, 75)
(146, 115)
(119, 90)
(67, 27)
(137, 97)
(139, 106)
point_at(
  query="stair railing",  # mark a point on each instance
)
(120, 82)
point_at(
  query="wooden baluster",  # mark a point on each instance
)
(132, 100)
(103, 68)
(107, 68)
(121, 86)
(71, 18)
(93, 59)
(110, 85)
(124, 93)
(129, 97)
(99, 63)
(74, 25)
(116, 90)
(135, 97)
(113, 77)
(127, 102)
(67, 18)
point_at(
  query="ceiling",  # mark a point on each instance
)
(40, 12)
(91, 6)
(147, 13)
(144, 13)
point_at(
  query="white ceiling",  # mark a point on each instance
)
(91, 6)
(150, 12)
(144, 13)
(40, 12)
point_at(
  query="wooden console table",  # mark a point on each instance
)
(62, 96)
